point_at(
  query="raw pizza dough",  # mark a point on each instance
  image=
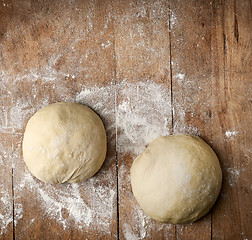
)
(177, 179)
(64, 142)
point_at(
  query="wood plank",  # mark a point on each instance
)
(191, 26)
(58, 51)
(231, 129)
(6, 200)
(143, 102)
(6, 207)
(6, 193)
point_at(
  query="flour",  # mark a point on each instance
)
(180, 125)
(231, 134)
(180, 76)
(56, 202)
(6, 211)
(173, 19)
(18, 114)
(107, 44)
(136, 126)
(5, 190)
(233, 174)
(142, 225)
(128, 232)
(139, 124)
(18, 213)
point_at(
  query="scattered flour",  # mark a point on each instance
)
(173, 19)
(66, 204)
(180, 76)
(233, 174)
(139, 124)
(18, 113)
(180, 125)
(141, 226)
(136, 125)
(230, 134)
(128, 232)
(6, 210)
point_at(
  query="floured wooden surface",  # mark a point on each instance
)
(148, 69)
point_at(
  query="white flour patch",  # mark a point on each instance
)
(180, 125)
(106, 44)
(5, 190)
(141, 226)
(143, 114)
(18, 212)
(18, 113)
(233, 174)
(47, 74)
(173, 19)
(66, 204)
(128, 232)
(137, 124)
(144, 221)
(21, 111)
(231, 134)
(6, 210)
(180, 76)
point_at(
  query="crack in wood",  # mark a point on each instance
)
(172, 112)
(117, 198)
(12, 191)
(224, 43)
(117, 170)
(236, 31)
(170, 47)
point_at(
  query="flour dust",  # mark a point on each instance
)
(130, 126)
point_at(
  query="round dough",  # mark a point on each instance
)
(177, 179)
(64, 142)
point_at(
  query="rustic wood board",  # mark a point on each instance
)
(148, 68)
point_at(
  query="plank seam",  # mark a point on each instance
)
(171, 91)
(212, 71)
(12, 188)
(117, 170)
(172, 110)
(117, 197)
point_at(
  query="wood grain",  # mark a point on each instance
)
(232, 88)
(6, 144)
(6, 200)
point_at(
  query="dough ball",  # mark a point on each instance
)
(177, 179)
(64, 142)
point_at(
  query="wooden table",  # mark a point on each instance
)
(148, 68)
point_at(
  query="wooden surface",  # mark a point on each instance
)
(148, 68)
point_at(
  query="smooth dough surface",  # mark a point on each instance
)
(64, 142)
(177, 179)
